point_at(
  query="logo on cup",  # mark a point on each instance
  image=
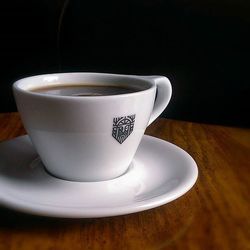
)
(123, 127)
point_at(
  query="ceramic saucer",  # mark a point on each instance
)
(159, 173)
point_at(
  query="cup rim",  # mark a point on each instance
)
(137, 78)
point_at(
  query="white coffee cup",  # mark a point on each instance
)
(89, 138)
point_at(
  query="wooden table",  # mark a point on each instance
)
(213, 215)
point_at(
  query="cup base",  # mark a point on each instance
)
(84, 179)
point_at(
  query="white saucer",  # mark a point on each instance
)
(160, 173)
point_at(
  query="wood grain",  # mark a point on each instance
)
(214, 214)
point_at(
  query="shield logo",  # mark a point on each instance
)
(123, 127)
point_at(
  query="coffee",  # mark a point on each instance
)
(84, 90)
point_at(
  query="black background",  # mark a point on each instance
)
(201, 46)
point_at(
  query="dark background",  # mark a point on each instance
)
(201, 46)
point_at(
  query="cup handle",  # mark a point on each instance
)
(164, 92)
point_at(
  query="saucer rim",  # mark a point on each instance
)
(97, 212)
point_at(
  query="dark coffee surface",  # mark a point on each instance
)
(84, 90)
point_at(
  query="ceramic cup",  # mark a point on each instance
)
(89, 138)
